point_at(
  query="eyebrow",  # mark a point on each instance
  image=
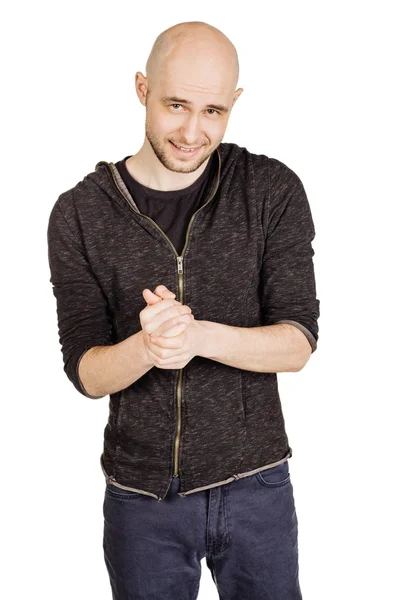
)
(176, 100)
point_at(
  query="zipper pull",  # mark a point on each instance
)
(180, 264)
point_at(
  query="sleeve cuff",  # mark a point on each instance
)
(307, 333)
(72, 370)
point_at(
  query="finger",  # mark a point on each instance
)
(155, 304)
(172, 327)
(150, 297)
(174, 361)
(172, 331)
(164, 292)
(175, 342)
(174, 322)
(158, 304)
(173, 312)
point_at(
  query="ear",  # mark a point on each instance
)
(236, 95)
(141, 85)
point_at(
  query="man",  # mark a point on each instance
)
(195, 417)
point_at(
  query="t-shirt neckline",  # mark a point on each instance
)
(167, 193)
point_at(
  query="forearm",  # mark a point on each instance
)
(105, 370)
(269, 349)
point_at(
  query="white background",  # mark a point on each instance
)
(320, 94)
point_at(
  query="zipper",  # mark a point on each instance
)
(179, 260)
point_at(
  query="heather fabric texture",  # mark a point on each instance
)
(247, 262)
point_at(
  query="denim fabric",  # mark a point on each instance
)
(246, 530)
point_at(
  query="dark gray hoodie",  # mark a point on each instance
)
(247, 262)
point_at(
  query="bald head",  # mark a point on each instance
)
(195, 41)
(188, 92)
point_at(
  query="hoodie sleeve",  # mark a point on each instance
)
(83, 318)
(288, 280)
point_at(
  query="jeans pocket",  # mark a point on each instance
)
(274, 476)
(115, 492)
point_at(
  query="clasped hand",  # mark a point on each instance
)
(171, 334)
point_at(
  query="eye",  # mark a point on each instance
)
(213, 111)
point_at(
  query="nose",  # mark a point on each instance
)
(189, 132)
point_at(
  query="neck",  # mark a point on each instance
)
(145, 167)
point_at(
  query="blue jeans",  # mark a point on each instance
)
(246, 530)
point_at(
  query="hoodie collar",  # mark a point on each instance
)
(106, 174)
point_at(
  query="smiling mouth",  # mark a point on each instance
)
(185, 149)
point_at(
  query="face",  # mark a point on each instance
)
(188, 106)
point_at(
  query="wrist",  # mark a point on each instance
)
(204, 338)
(148, 363)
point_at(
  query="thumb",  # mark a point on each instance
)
(150, 297)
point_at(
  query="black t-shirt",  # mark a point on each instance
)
(173, 209)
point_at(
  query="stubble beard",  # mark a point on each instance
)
(172, 165)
